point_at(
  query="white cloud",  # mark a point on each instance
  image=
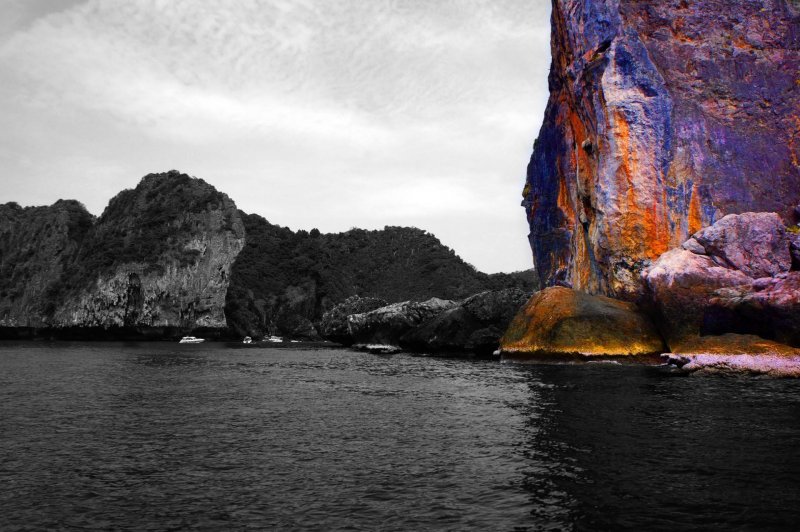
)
(322, 110)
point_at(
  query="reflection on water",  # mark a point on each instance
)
(160, 436)
(641, 449)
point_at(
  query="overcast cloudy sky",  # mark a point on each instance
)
(313, 113)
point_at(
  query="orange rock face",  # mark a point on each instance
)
(561, 321)
(664, 116)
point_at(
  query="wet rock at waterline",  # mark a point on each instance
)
(736, 354)
(386, 325)
(560, 321)
(473, 325)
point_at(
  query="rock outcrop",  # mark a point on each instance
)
(736, 354)
(755, 243)
(158, 257)
(387, 325)
(561, 322)
(475, 325)
(732, 277)
(471, 326)
(663, 117)
(334, 325)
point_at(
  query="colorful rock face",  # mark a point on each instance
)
(731, 277)
(664, 116)
(560, 321)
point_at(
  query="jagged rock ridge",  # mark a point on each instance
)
(166, 258)
(159, 256)
(663, 117)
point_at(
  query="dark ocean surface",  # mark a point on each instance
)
(158, 436)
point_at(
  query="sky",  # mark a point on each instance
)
(312, 113)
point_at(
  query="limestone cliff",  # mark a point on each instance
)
(664, 116)
(159, 256)
(37, 245)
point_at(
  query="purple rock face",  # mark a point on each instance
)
(664, 116)
(754, 243)
(732, 277)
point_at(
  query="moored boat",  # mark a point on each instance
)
(191, 340)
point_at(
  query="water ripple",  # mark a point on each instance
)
(155, 437)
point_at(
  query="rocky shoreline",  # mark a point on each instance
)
(726, 301)
(469, 327)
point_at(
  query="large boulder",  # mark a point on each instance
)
(755, 243)
(731, 277)
(334, 325)
(474, 325)
(566, 322)
(386, 325)
(769, 307)
(736, 353)
(682, 283)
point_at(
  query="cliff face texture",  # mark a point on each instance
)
(37, 245)
(169, 257)
(160, 255)
(163, 252)
(664, 116)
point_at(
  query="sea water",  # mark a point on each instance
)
(158, 436)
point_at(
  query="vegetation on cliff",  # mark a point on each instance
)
(37, 246)
(162, 255)
(283, 281)
(54, 258)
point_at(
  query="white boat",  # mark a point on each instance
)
(191, 340)
(378, 349)
(247, 340)
(274, 339)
